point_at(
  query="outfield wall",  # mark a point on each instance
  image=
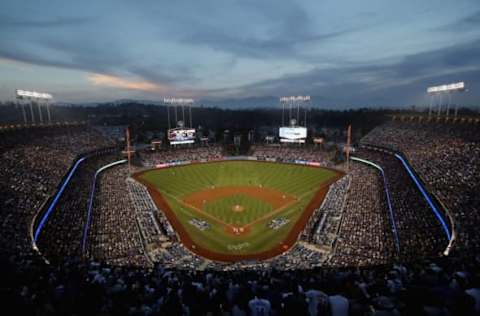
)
(243, 158)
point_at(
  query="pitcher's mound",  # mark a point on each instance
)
(237, 208)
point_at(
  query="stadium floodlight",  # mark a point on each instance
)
(33, 94)
(36, 96)
(178, 101)
(175, 102)
(295, 98)
(292, 105)
(444, 90)
(458, 86)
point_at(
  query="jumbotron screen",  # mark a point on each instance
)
(293, 133)
(181, 136)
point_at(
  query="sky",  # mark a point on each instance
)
(344, 52)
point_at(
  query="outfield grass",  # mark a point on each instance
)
(297, 181)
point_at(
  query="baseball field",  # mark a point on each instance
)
(238, 210)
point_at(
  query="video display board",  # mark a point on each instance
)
(181, 136)
(293, 133)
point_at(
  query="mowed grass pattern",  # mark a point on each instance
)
(296, 180)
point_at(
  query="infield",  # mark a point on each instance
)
(240, 201)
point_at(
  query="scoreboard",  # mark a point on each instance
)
(293, 134)
(181, 136)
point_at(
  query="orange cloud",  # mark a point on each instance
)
(117, 82)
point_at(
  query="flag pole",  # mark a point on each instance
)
(349, 139)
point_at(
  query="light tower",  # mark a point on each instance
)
(40, 98)
(296, 130)
(292, 104)
(183, 131)
(175, 103)
(437, 92)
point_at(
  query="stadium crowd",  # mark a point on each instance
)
(322, 227)
(33, 162)
(62, 233)
(364, 236)
(114, 235)
(445, 155)
(147, 211)
(419, 231)
(444, 287)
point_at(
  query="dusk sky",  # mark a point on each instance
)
(345, 52)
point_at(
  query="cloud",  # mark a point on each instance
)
(216, 48)
(9, 22)
(151, 88)
(117, 82)
(466, 23)
(400, 82)
(265, 31)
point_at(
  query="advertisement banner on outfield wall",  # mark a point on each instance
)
(313, 164)
(298, 141)
(301, 162)
(217, 159)
(239, 158)
(271, 159)
(178, 163)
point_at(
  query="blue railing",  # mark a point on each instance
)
(426, 196)
(59, 193)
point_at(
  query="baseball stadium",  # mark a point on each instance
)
(284, 207)
(240, 158)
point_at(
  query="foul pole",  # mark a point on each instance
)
(128, 150)
(349, 139)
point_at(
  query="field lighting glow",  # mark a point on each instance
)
(33, 94)
(295, 98)
(178, 100)
(458, 86)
